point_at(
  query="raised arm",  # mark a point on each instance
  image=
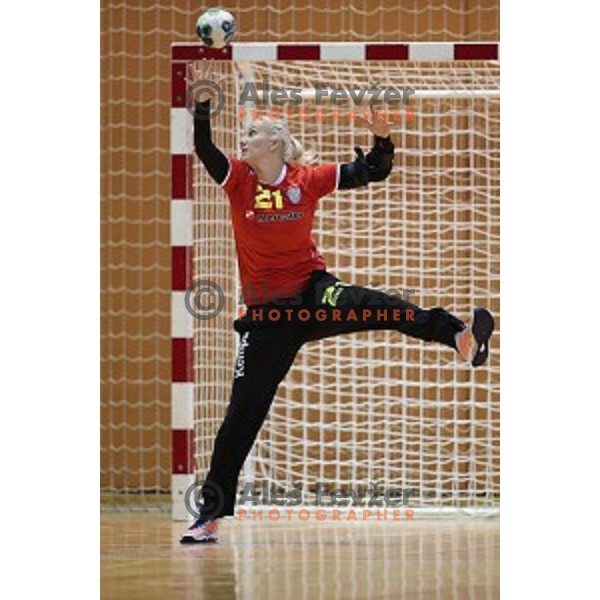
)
(212, 158)
(215, 162)
(377, 165)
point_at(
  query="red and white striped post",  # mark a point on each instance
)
(182, 325)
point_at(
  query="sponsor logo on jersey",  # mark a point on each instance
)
(279, 217)
(249, 214)
(294, 194)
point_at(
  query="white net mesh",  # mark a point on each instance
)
(377, 406)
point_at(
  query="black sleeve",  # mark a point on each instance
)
(376, 166)
(214, 160)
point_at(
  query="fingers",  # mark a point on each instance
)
(365, 117)
(370, 119)
(375, 119)
(206, 69)
(378, 114)
(210, 72)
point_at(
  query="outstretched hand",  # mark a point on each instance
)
(207, 72)
(377, 122)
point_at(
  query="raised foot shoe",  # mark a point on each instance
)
(473, 342)
(199, 532)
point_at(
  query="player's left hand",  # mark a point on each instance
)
(377, 122)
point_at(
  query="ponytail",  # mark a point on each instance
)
(292, 149)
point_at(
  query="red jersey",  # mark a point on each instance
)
(272, 224)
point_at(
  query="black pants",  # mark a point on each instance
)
(270, 337)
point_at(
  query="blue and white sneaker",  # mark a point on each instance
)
(199, 532)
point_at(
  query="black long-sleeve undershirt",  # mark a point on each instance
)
(214, 160)
(375, 166)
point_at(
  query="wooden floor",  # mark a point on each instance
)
(442, 559)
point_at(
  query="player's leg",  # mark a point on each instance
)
(344, 308)
(264, 357)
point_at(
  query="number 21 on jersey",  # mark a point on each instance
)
(267, 198)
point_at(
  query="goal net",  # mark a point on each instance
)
(374, 406)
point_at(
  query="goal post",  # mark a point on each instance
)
(369, 407)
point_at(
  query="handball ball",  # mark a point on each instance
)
(216, 28)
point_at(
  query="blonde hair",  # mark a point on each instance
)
(293, 151)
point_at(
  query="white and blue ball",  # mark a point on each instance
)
(216, 28)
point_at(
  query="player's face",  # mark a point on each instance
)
(256, 142)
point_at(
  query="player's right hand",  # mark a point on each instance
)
(207, 72)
